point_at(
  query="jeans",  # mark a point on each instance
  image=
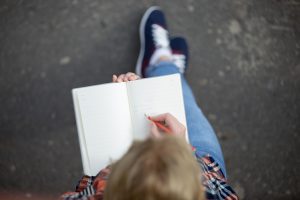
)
(200, 132)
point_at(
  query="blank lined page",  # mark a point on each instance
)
(106, 123)
(153, 96)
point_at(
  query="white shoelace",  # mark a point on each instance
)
(160, 36)
(161, 42)
(179, 61)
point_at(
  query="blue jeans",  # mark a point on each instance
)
(201, 134)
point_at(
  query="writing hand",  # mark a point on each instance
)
(171, 122)
(129, 76)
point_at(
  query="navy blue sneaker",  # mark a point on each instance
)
(180, 53)
(154, 39)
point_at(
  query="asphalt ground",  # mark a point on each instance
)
(244, 71)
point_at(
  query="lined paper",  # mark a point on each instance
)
(154, 96)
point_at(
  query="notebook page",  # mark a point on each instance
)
(106, 123)
(82, 144)
(153, 96)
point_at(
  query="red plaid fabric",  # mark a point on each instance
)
(214, 182)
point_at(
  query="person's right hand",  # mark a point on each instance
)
(171, 122)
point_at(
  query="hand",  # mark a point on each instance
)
(171, 122)
(129, 76)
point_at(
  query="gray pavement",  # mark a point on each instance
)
(244, 70)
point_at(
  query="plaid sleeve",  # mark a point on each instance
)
(215, 184)
(214, 181)
(89, 187)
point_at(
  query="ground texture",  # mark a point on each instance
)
(244, 70)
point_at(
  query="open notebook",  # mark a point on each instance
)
(110, 116)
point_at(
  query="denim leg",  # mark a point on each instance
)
(201, 133)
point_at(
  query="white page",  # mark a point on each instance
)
(106, 124)
(153, 96)
(82, 143)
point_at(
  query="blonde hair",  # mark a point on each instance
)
(156, 169)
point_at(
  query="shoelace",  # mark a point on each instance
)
(160, 36)
(179, 61)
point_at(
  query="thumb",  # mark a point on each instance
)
(154, 130)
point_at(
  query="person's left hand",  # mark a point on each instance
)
(129, 76)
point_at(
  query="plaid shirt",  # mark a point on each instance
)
(214, 182)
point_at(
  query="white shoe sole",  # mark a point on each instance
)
(138, 68)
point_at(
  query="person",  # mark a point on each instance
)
(163, 166)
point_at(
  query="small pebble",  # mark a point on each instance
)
(13, 168)
(234, 27)
(43, 75)
(244, 147)
(203, 82)
(209, 31)
(191, 8)
(28, 195)
(53, 115)
(23, 72)
(218, 41)
(222, 136)
(270, 192)
(65, 60)
(212, 116)
(221, 73)
(50, 142)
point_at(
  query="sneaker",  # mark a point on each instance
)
(180, 53)
(154, 39)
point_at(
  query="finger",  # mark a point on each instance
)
(120, 78)
(114, 78)
(161, 117)
(169, 119)
(129, 74)
(154, 131)
(133, 77)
